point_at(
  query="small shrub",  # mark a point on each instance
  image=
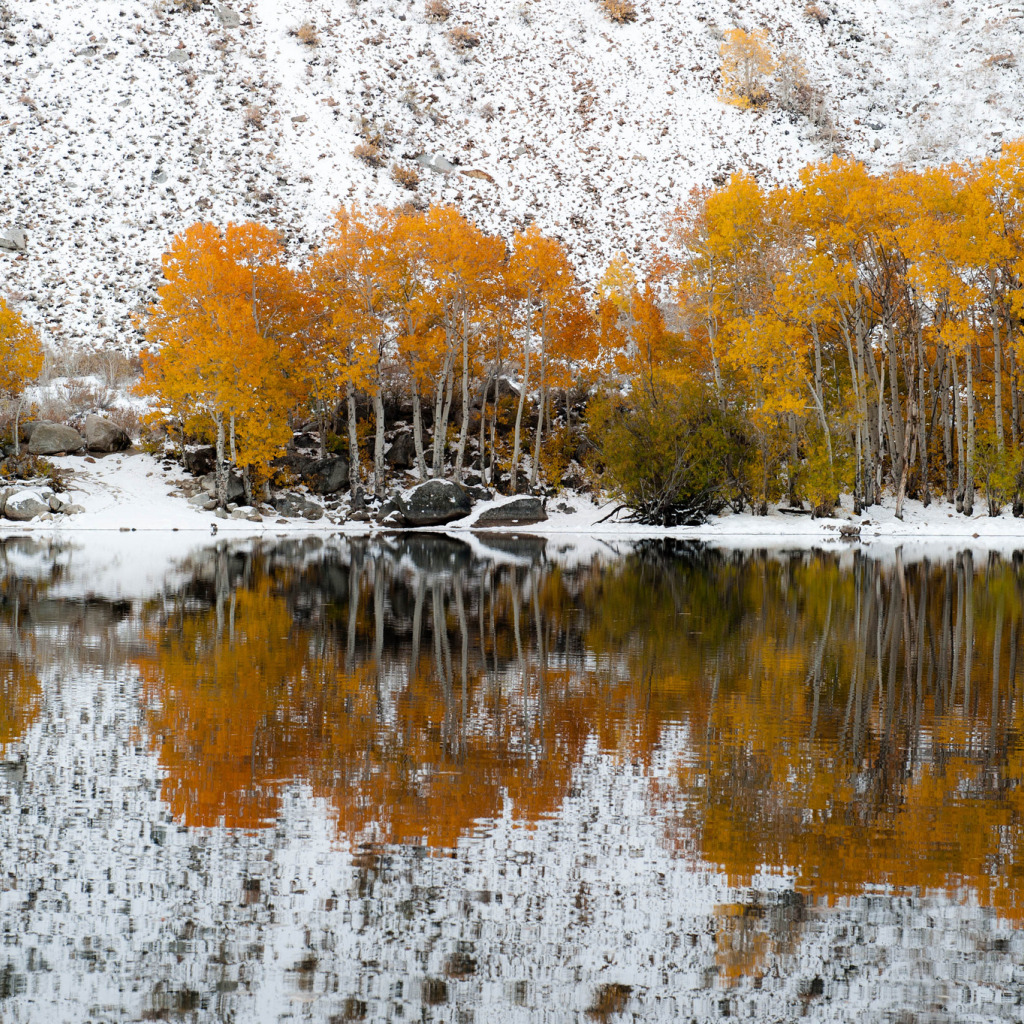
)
(622, 12)
(369, 154)
(487, 111)
(252, 116)
(818, 13)
(307, 34)
(463, 39)
(407, 177)
(436, 10)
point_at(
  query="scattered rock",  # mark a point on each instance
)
(294, 505)
(73, 510)
(103, 436)
(178, 56)
(248, 513)
(435, 503)
(54, 439)
(517, 512)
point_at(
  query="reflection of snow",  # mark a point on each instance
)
(111, 909)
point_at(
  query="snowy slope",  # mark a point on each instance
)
(122, 121)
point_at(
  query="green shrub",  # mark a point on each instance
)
(670, 456)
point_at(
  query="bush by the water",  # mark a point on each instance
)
(671, 454)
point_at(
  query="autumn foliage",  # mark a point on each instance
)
(854, 333)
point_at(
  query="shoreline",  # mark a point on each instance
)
(131, 492)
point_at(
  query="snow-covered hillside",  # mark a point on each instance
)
(122, 121)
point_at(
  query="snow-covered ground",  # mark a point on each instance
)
(132, 492)
(123, 122)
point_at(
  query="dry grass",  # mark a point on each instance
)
(818, 13)
(369, 154)
(307, 34)
(407, 177)
(252, 116)
(436, 10)
(622, 12)
(463, 39)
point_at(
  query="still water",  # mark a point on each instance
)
(419, 778)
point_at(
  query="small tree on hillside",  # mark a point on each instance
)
(21, 359)
(747, 64)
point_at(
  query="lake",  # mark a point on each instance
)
(507, 779)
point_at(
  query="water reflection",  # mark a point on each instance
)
(420, 775)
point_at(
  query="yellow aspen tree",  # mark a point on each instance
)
(21, 359)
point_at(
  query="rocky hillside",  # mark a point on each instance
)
(121, 121)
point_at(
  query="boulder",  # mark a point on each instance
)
(402, 453)
(236, 489)
(326, 476)
(435, 503)
(227, 17)
(103, 436)
(517, 512)
(200, 461)
(25, 505)
(53, 439)
(14, 239)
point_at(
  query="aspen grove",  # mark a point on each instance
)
(852, 333)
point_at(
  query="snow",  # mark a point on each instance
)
(122, 123)
(131, 492)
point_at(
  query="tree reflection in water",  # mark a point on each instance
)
(851, 720)
(813, 729)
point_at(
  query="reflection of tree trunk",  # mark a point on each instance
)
(378, 620)
(460, 609)
(353, 613)
(968, 627)
(417, 626)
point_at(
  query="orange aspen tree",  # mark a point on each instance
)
(463, 267)
(544, 278)
(221, 332)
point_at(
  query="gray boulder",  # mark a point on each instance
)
(103, 436)
(236, 489)
(14, 239)
(227, 17)
(22, 506)
(402, 453)
(326, 476)
(54, 438)
(517, 512)
(434, 503)
(200, 461)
